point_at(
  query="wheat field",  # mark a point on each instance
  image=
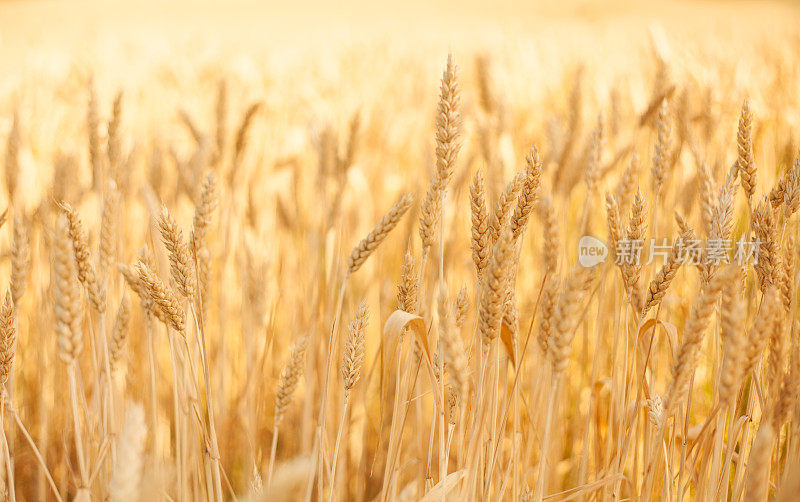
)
(436, 251)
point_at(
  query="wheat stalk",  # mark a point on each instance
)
(68, 314)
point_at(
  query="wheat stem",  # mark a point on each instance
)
(334, 462)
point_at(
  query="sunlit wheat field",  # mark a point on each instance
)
(434, 251)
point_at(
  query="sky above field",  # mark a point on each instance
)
(129, 43)
(87, 28)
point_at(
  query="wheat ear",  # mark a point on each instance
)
(528, 194)
(108, 228)
(352, 360)
(162, 297)
(660, 284)
(290, 378)
(20, 259)
(694, 331)
(765, 228)
(114, 141)
(8, 337)
(204, 211)
(365, 248)
(494, 291)
(11, 160)
(119, 333)
(744, 142)
(661, 149)
(180, 260)
(407, 288)
(481, 250)
(68, 315)
(83, 259)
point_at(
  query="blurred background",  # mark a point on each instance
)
(320, 61)
(40, 32)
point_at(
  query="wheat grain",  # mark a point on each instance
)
(660, 284)
(762, 329)
(11, 161)
(8, 337)
(787, 395)
(550, 295)
(162, 297)
(461, 307)
(407, 288)
(744, 141)
(204, 211)
(593, 157)
(565, 318)
(114, 141)
(20, 259)
(66, 294)
(481, 249)
(732, 318)
(353, 356)
(502, 208)
(661, 148)
(108, 222)
(96, 158)
(493, 294)
(365, 248)
(242, 133)
(626, 188)
(528, 194)
(119, 334)
(180, 261)
(430, 215)
(448, 121)
(684, 365)
(764, 227)
(290, 378)
(83, 259)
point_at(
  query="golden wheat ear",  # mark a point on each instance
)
(66, 294)
(8, 337)
(744, 141)
(366, 247)
(83, 259)
(20, 259)
(180, 261)
(162, 297)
